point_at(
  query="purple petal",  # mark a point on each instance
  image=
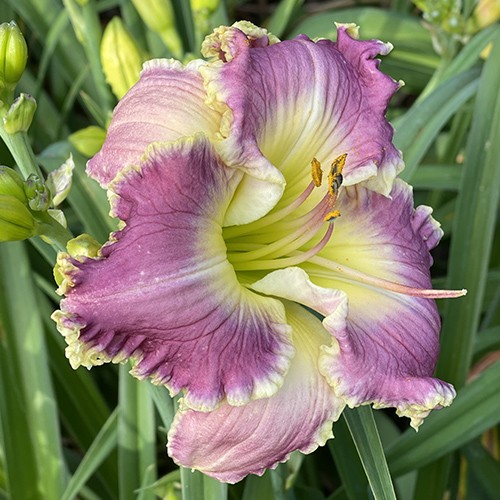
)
(168, 102)
(163, 292)
(231, 442)
(288, 102)
(388, 350)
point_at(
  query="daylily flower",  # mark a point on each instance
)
(228, 229)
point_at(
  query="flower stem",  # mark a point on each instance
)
(22, 153)
(50, 229)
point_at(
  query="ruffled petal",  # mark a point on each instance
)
(285, 103)
(231, 442)
(163, 292)
(388, 350)
(167, 103)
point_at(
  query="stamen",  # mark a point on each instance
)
(287, 261)
(331, 216)
(231, 232)
(309, 226)
(367, 279)
(335, 176)
(316, 172)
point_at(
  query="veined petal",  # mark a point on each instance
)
(388, 350)
(167, 103)
(288, 102)
(163, 293)
(231, 442)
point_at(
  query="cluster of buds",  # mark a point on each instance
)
(26, 204)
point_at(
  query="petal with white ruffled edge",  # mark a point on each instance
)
(167, 103)
(231, 442)
(163, 293)
(379, 256)
(285, 103)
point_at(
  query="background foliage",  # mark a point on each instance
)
(96, 435)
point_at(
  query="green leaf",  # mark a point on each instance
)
(484, 468)
(25, 377)
(136, 435)
(475, 409)
(473, 226)
(282, 16)
(365, 436)
(102, 446)
(421, 124)
(347, 461)
(441, 177)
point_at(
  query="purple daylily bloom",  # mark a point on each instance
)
(227, 232)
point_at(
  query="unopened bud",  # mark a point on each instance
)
(37, 193)
(16, 221)
(89, 140)
(158, 15)
(13, 53)
(120, 57)
(59, 181)
(486, 12)
(20, 114)
(207, 6)
(12, 184)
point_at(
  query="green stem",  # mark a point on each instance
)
(19, 146)
(51, 229)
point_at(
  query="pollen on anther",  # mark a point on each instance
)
(335, 176)
(331, 215)
(316, 172)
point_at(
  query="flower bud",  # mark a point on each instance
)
(120, 57)
(78, 248)
(207, 6)
(158, 15)
(59, 181)
(37, 193)
(20, 114)
(11, 184)
(13, 53)
(16, 221)
(486, 12)
(88, 141)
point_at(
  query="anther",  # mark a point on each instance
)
(335, 176)
(316, 172)
(334, 214)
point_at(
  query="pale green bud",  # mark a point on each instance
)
(158, 15)
(16, 221)
(12, 184)
(37, 193)
(208, 6)
(13, 53)
(59, 181)
(120, 57)
(89, 140)
(20, 114)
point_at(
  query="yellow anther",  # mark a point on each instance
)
(316, 172)
(335, 176)
(331, 215)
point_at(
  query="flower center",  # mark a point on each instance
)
(289, 235)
